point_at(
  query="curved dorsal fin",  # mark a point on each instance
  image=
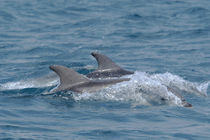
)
(104, 62)
(68, 77)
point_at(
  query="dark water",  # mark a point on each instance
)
(166, 43)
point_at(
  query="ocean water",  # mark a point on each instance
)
(166, 43)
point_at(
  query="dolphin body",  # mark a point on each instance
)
(107, 68)
(184, 102)
(73, 81)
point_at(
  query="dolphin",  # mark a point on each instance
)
(184, 102)
(73, 81)
(107, 68)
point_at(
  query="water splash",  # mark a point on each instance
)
(146, 89)
(179, 83)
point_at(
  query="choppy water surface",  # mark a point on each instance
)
(166, 43)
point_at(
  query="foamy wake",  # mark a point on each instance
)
(46, 81)
(142, 89)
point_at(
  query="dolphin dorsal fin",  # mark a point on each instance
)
(68, 76)
(104, 62)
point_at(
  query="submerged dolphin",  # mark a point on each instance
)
(184, 102)
(107, 68)
(71, 80)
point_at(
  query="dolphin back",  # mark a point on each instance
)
(106, 68)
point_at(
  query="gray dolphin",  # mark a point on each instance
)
(184, 102)
(73, 81)
(107, 68)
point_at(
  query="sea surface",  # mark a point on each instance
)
(165, 42)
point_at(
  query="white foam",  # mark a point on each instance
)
(179, 83)
(46, 81)
(142, 89)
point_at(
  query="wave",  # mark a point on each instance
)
(142, 89)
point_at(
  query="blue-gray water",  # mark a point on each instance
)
(166, 43)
